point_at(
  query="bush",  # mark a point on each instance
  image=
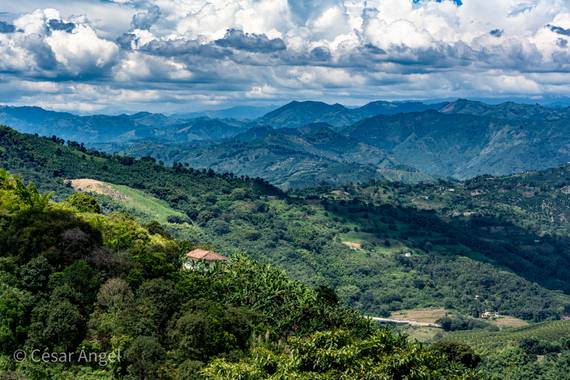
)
(534, 346)
(458, 352)
(84, 203)
(455, 323)
(174, 219)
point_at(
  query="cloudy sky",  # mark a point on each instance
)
(184, 55)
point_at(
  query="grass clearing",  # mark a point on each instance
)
(423, 315)
(506, 321)
(136, 201)
(422, 334)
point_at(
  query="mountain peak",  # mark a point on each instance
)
(300, 113)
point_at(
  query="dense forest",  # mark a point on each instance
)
(101, 273)
(407, 256)
(76, 281)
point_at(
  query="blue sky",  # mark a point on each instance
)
(186, 55)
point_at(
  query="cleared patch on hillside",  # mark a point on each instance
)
(87, 185)
(134, 201)
(421, 334)
(352, 245)
(548, 331)
(423, 315)
(506, 321)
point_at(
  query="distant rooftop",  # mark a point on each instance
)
(202, 254)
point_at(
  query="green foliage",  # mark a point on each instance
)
(458, 352)
(72, 277)
(104, 284)
(84, 202)
(205, 329)
(145, 354)
(14, 306)
(337, 354)
(433, 258)
(455, 323)
(533, 352)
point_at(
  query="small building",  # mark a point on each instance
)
(489, 315)
(201, 258)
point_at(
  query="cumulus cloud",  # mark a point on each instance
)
(221, 50)
(81, 51)
(44, 45)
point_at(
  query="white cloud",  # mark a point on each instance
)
(352, 48)
(46, 45)
(261, 92)
(81, 51)
(139, 67)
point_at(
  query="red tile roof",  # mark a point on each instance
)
(202, 254)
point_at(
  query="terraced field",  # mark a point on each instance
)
(481, 340)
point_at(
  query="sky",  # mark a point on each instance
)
(111, 56)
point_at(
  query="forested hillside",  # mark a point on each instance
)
(290, 158)
(378, 254)
(75, 281)
(305, 144)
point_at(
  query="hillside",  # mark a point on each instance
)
(73, 279)
(536, 201)
(145, 207)
(409, 258)
(289, 158)
(463, 146)
(99, 129)
(540, 351)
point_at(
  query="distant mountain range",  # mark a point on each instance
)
(305, 143)
(197, 126)
(242, 113)
(288, 157)
(95, 129)
(298, 114)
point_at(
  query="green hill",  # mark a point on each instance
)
(463, 145)
(484, 340)
(410, 257)
(539, 351)
(289, 158)
(75, 281)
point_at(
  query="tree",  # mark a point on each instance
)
(110, 318)
(84, 203)
(458, 352)
(208, 328)
(14, 304)
(144, 356)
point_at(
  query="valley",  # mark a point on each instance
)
(430, 257)
(358, 218)
(305, 144)
(285, 190)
